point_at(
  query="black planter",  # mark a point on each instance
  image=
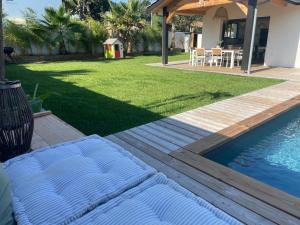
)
(16, 120)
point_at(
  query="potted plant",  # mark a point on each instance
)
(36, 101)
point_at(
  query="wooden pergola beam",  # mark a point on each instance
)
(172, 8)
(242, 7)
(194, 7)
(207, 3)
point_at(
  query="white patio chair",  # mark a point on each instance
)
(216, 56)
(226, 58)
(192, 56)
(239, 57)
(200, 56)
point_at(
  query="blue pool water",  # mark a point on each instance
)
(269, 153)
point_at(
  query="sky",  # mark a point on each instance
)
(14, 8)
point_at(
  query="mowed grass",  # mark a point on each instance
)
(105, 97)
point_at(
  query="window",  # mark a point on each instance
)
(231, 30)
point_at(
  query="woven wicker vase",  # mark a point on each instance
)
(16, 120)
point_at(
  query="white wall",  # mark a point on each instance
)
(211, 31)
(284, 38)
(283, 47)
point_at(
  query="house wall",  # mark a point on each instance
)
(283, 47)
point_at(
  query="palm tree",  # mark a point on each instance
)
(95, 34)
(86, 8)
(58, 28)
(126, 19)
(23, 35)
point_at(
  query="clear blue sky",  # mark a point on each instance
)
(14, 8)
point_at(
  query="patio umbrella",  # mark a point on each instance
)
(221, 13)
(16, 119)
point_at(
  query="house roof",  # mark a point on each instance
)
(159, 4)
(111, 41)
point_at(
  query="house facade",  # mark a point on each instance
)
(275, 40)
(277, 36)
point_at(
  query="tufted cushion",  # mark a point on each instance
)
(157, 201)
(58, 184)
(6, 213)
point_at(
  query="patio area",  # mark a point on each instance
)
(258, 70)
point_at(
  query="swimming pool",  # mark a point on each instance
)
(269, 153)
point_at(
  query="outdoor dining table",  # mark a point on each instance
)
(226, 51)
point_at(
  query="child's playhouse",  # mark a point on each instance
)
(113, 49)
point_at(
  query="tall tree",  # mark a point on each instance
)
(2, 62)
(125, 19)
(186, 23)
(87, 8)
(58, 28)
(23, 35)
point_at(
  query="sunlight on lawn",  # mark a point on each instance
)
(105, 97)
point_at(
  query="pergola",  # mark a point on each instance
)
(169, 8)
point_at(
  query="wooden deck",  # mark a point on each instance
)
(50, 130)
(174, 146)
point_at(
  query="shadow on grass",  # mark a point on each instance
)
(217, 95)
(86, 110)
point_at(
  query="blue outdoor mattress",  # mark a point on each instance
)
(59, 184)
(156, 201)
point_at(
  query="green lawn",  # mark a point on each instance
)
(105, 97)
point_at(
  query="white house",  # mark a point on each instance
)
(275, 42)
(277, 30)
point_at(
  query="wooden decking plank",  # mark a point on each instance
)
(282, 94)
(189, 127)
(54, 131)
(217, 115)
(178, 130)
(51, 130)
(233, 110)
(258, 100)
(222, 188)
(65, 126)
(242, 107)
(278, 199)
(249, 105)
(200, 124)
(146, 140)
(162, 135)
(199, 115)
(213, 117)
(151, 137)
(46, 131)
(37, 142)
(183, 138)
(226, 114)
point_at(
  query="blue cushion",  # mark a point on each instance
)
(157, 201)
(6, 213)
(58, 184)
